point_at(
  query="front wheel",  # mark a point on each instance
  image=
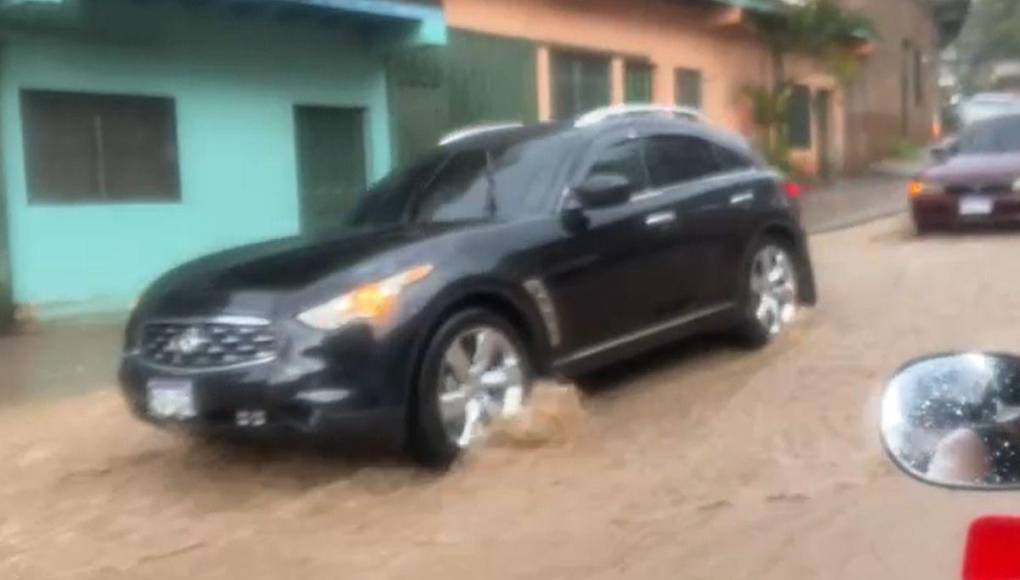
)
(769, 301)
(475, 371)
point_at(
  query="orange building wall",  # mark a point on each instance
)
(713, 41)
(668, 36)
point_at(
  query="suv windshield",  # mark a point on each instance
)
(999, 136)
(497, 181)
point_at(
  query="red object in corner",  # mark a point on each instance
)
(993, 549)
(793, 190)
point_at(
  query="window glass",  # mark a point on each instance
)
(989, 137)
(98, 148)
(462, 190)
(623, 158)
(731, 160)
(676, 159)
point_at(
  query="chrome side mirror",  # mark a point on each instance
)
(954, 420)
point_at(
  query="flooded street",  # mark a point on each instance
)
(701, 461)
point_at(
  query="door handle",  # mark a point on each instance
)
(743, 198)
(661, 218)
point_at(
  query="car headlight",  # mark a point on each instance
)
(375, 302)
(918, 188)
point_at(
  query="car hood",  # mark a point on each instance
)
(291, 263)
(988, 169)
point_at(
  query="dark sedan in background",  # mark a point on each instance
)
(504, 254)
(973, 180)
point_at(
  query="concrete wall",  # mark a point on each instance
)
(874, 101)
(235, 83)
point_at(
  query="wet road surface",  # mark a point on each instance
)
(700, 461)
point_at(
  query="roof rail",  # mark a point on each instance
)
(606, 113)
(473, 130)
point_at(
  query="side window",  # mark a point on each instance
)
(460, 191)
(730, 160)
(623, 158)
(676, 159)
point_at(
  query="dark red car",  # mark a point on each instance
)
(975, 180)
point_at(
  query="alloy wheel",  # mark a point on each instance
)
(480, 380)
(774, 288)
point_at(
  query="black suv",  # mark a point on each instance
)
(553, 248)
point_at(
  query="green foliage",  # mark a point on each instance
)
(821, 28)
(992, 33)
(769, 109)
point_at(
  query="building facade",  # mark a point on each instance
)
(136, 136)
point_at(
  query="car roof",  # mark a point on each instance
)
(507, 136)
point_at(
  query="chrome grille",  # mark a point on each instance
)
(202, 344)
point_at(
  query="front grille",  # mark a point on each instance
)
(999, 189)
(206, 344)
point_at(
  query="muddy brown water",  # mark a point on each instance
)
(697, 461)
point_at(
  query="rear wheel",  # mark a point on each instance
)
(769, 302)
(475, 371)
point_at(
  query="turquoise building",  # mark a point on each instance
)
(136, 135)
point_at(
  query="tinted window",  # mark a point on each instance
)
(730, 160)
(997, 136)
(677, 159)
(387, 201)
(623, 158)
(462, 190)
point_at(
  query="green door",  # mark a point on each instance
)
(475, 79)
(491, 79)
(638, 82)
(331, 164)
(6, 290)
(580, 83)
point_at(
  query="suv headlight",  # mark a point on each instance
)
(375, 302)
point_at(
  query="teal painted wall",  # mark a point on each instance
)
(236, 82)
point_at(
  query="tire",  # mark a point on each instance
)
(757, 328)
(434, 437)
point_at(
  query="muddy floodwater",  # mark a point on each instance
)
(699, 461)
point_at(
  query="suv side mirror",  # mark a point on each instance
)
(604, 190)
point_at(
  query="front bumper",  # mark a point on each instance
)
(342, 387)
(933, 211)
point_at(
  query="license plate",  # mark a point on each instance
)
(975, 206)
(171, 399)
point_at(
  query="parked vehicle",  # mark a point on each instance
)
(985, 106)
(506, 253)
(972, 180)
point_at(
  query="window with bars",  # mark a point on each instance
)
(689, 88)
(638, 82)
(95, 148)
(581, 82)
